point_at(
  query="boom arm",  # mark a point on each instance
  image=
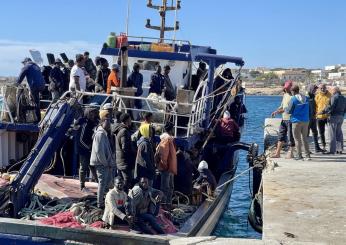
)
(58, 120)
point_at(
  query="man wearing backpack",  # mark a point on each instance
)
(36, 82)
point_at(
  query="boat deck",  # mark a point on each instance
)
(304, 201)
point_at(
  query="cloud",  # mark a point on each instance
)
(13, 52)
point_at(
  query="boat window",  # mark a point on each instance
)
(148, 65)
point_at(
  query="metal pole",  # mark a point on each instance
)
(163, 20)
(128, 17)
(175, 21)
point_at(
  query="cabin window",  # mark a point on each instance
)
(148, 65)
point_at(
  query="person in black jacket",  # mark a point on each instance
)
(56, 79)
(124, 152)
(86, 131)
(89, 65)
(312, 88)
(102, 75)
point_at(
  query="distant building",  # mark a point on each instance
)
(295, 75)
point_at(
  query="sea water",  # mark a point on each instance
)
(234, 221)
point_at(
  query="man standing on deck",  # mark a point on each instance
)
(77, 76)
(85, 133)
(337, 110)
(35, 80)
(166, 160)
(89, 65)
(322, 101)
(285, 130)
(102, 158)
(157, 82)
(136, 80)
(56, 79)
(169, 90)
(124, 152)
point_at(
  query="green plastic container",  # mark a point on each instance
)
(112, 40)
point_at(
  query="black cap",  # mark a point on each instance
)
(58, 61)
(168, 126)
(124, 117)
(26, 60)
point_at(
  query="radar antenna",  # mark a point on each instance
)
(162, 11)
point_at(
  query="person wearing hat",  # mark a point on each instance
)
(166, 162)
(285, 130)
(136, 80)
(145, 163)
(87, 125)
(124, 150)
(169, 90)
(56, 80)
(113, 78)
(77, 75)
(206, 177)
(89, 65)
(32, 72)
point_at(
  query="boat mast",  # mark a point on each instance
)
(162, 11)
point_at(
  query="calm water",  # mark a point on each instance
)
(234, 221)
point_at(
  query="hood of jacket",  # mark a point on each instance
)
(165, 136)
(142, 139)
(301, 98)
(119, 127)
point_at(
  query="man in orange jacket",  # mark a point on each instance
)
(166, 156)
(113, 79)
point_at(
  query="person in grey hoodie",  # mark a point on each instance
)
(102, 158)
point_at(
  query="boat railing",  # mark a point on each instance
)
(186, 117)
(174, 42)
(5, 112)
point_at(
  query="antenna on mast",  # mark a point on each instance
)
(162, 11)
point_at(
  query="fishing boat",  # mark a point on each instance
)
(192, 112)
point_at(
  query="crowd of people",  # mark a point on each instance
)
(315, 111)
(136, 176)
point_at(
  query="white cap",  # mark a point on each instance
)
(226, 115)
(202, 165)
(107, 106)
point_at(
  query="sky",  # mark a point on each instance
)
(266, 33)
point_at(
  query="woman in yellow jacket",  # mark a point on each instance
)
(322, 101)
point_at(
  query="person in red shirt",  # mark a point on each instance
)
(227, 131)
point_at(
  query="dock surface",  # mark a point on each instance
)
(305, 201)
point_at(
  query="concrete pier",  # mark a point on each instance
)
(305, 201)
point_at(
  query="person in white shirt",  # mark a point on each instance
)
(77, 77)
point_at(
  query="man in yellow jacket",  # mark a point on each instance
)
(322, 101)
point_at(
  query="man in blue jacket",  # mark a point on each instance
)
(157, 82)
(36, 82)
(299, 110)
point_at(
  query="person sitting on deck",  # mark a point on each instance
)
(145, 202)
(157, 82)
(145, 165)
(166, 160)
(206, 177)
(102, 158)
(113, 79)
(237, 109)
(117, 207)
(136, 80)
(227, 130)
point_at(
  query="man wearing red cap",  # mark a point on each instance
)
(285, 130)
